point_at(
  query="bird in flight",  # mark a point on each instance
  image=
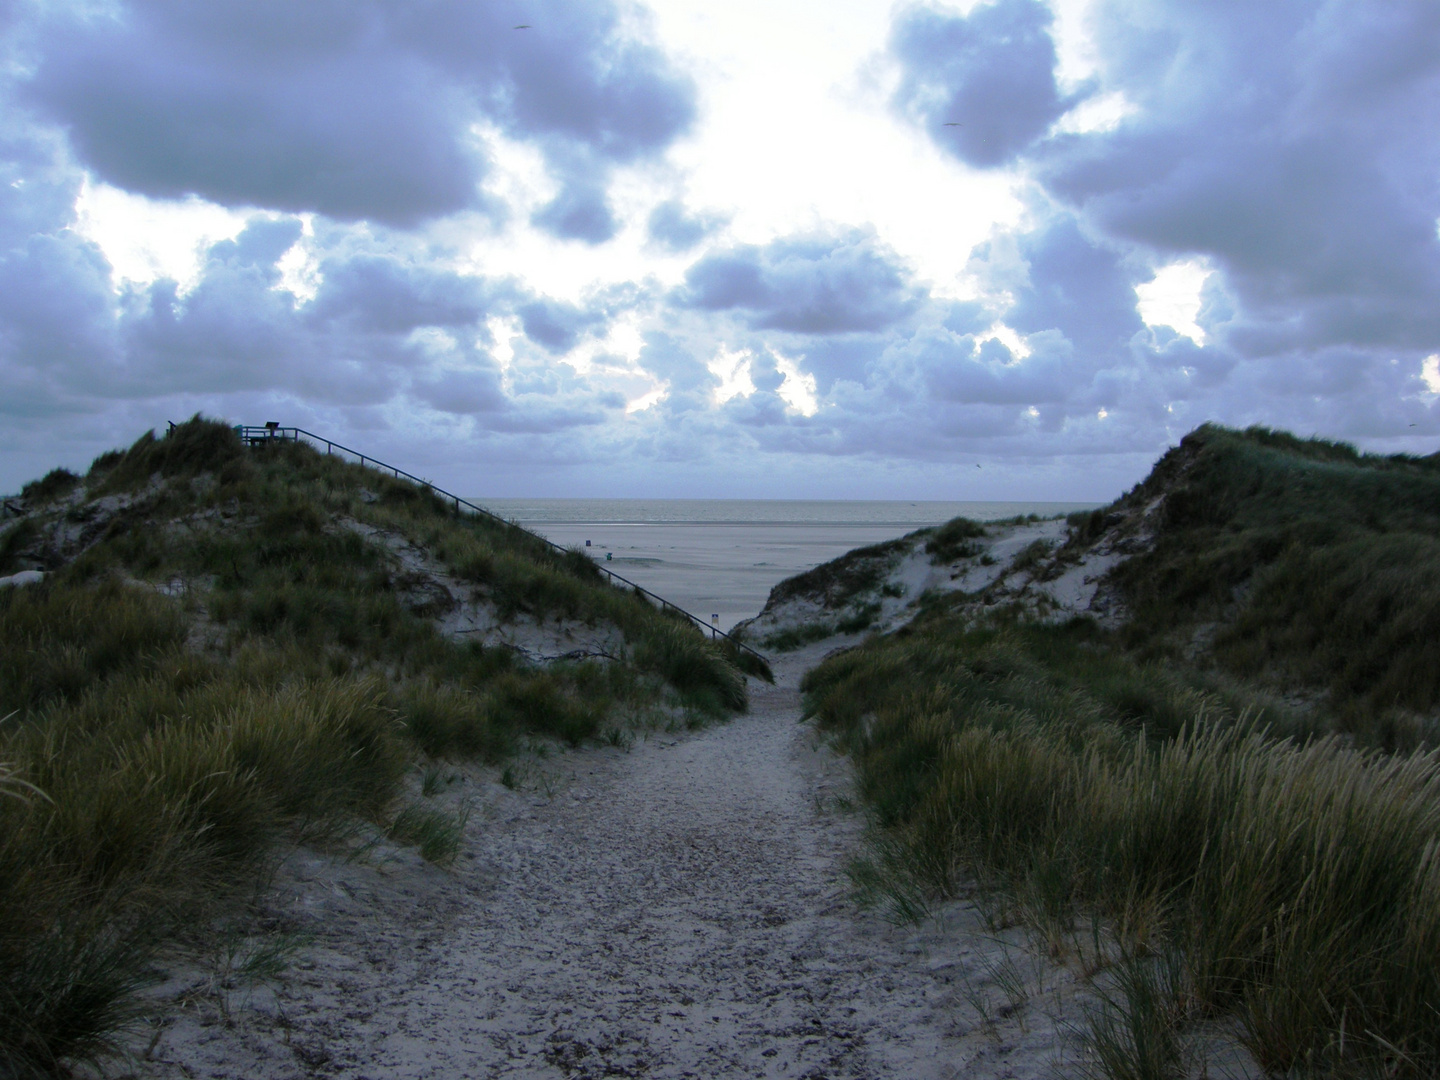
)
(953, 123)
(522, 26)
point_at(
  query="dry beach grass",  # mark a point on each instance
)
(1294, 884)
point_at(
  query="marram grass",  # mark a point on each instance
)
(120, 838)
(1298, 881)
(1320, 564)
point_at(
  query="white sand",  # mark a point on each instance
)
(988, 578)
(675, 910)
(464, 613)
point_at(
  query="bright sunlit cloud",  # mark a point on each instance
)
(733, 371)
(1430, 372)
(797, 134)
(145, 239)
(504, 332)
(1172, 298)
(1018, 346)
(300, 266)
(647, 400)
(798, 389)
(1097, 114)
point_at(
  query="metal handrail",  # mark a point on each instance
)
(259, 436)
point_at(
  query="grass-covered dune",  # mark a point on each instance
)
(227, 653)
(1138, 798)
(1315, 567)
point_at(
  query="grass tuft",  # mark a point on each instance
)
(49, 487)
(438, 836)
(198, 445)
(797, 637)
(955, 540)
(841, 580)
(746, 661)
(694, 665)
(1135, 1029)
(68, 998)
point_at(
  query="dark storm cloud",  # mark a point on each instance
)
(983, 84)
(924, 376)
(690, 380)
(463, 392)
(988, 374)
(57, 321)
(1293, 144)
(849, 356)
(554, 325)
(388, 324)
(1200, 367)
(57, 308)
(762, 409)
(1077, 287)
(557, 326)
(765, 373)
(580, 212)
(544, 420)
(353, 109)
(261, 243)
(967, 317)
(35, 196)
(676, 229)
(808, 285)
(1071, 298)
(383, 293)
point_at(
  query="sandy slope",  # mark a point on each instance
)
(675, 910)
(1059, 585)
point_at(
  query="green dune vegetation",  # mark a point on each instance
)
(229, 654)
(1227, 809)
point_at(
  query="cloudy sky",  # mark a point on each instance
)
(755, 249)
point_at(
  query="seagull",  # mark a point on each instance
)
(522, 26)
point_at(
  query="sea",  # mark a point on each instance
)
(719, 558)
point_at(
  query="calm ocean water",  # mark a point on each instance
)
(722, 556)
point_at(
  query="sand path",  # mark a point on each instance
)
(678, 909)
